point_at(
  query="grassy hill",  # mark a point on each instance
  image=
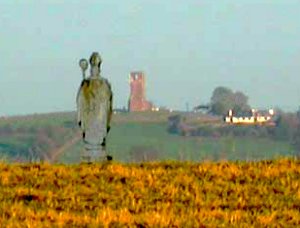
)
(134, 137)
(165, 194)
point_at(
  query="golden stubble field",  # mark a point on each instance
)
(161, 194)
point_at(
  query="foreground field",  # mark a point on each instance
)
(151, 194)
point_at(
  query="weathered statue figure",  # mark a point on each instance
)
(94, 109)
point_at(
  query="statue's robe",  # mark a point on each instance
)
(94, 108)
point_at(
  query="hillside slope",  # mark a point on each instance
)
(134, 137)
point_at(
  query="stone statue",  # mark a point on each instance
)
(94, 109)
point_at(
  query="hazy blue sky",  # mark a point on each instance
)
(186, 49)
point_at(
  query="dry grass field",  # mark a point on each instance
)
(178, 194)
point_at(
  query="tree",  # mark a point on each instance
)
(240, 102)
(221, 100)
(224, 99)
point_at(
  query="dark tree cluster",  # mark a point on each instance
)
(224, 99)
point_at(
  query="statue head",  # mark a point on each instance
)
(95, 60)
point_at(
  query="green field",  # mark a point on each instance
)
(152, 139)
(134, 137)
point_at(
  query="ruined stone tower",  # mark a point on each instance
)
(137, 99)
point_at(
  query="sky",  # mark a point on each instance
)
(185, 48)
